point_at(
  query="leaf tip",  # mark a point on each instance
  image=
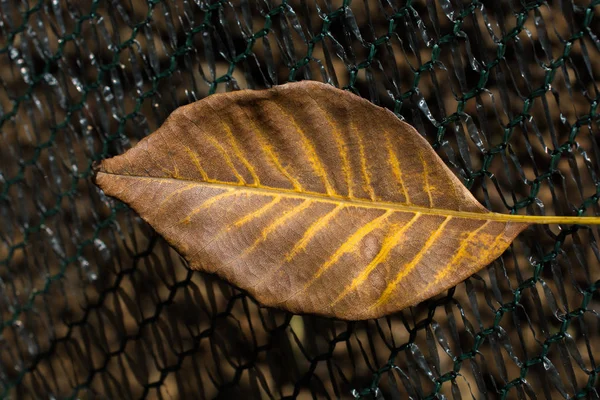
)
(96, 168)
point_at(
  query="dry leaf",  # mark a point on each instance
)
(311, 199)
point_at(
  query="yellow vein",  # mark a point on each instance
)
(166, 171)
(270, 228)
(255, 214)
(226, 157)
(173, 194)
(278, 222)
(311, 153)
(126, 155)
(379, 205)
(490, 248)
(340, 144)
(389, 243)
(321, 222)
(187, 219)
(407, 269)
(486, 251)
(396, 170)
(194, 157)
(216, 145)
(168, 149)
(239, 223)
(239, 154)
(458, 255)
(363, 163)
(266, 147)
(427, 187)
(312, 230)
(348, 246)
(122, 188)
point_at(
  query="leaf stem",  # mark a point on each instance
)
(545, 219)
(380, 205)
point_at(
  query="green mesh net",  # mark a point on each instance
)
(93, 304)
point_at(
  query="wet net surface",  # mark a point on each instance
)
(94, 305)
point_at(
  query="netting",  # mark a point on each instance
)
(93, 304)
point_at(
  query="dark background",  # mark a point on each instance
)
(94, 305)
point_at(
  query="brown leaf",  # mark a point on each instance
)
(311, 199)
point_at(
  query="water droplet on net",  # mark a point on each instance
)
(26, 337)
(104, 198)
(547, 365)
(563, 119)
(32, 346)
(77, 83)
(25, 73)
(102, 249)
(87, 269)
(107, 94)
(54, 243)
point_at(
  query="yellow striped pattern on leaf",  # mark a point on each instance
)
(311, 199)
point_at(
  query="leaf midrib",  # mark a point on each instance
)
(381, 205)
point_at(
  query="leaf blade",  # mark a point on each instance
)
(313, 215)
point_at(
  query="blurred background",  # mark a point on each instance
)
(93, 305)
